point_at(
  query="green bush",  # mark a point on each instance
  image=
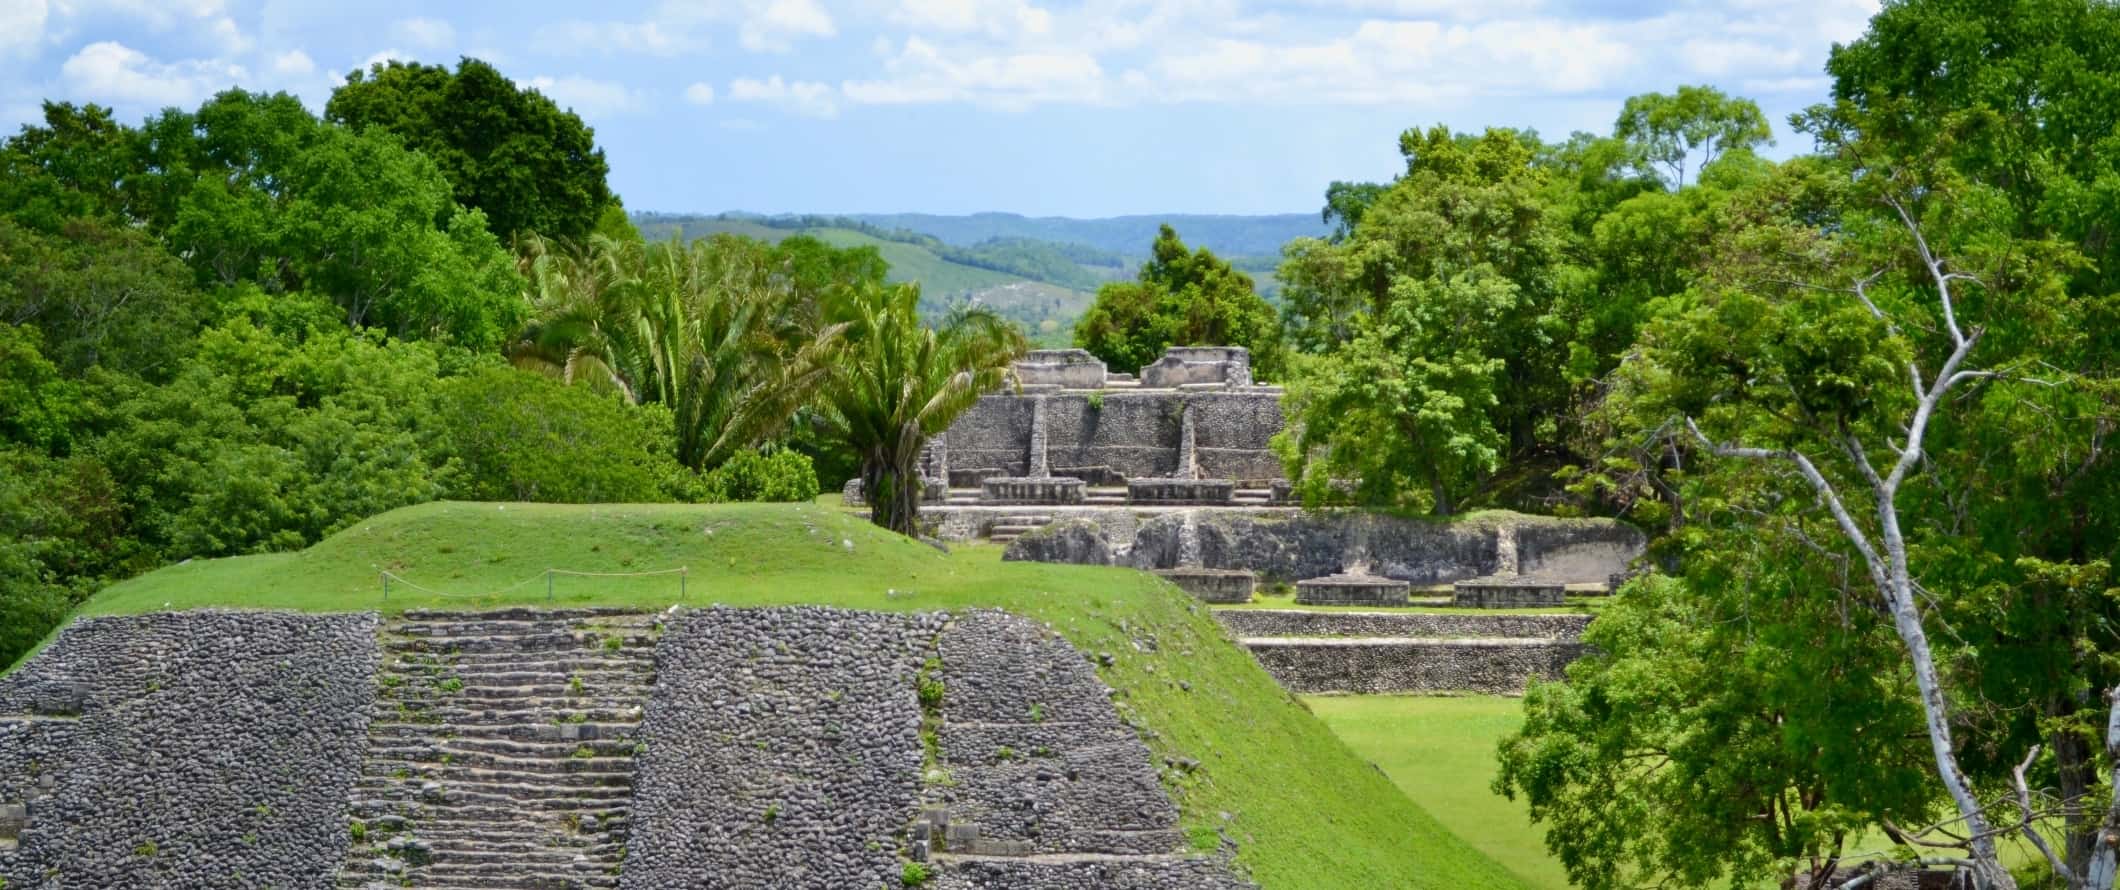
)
(519, 436)
(913, 874)
(782, 476)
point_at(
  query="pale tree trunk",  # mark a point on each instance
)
(1886, 556)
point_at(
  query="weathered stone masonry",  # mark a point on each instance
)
(524, 748)
(197, 749)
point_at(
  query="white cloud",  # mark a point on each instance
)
(21, 26)
(425, 33)
(115, 74)
(921, 72)
(229, 38)
(774, 25)
(648, 38)
(700, 94)
(157, 14)
(589, 97)
(293, 63)
(1004, 19)
(384, 56)
(801, 97)
(1401, 61)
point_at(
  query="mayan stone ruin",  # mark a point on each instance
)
(1171, 471)
(577, 748)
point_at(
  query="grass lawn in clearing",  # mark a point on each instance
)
(1303, 810)
(1440, 751)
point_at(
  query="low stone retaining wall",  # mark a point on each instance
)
(1285, 544)
(1401, 664)
(1213, 585)
(1351, 590)
(1298, 623)
(1508, 593)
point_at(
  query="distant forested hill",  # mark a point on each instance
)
(1128, 235)
(1040, 272)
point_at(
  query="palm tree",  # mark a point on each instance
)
(897, 383)
(707, 330)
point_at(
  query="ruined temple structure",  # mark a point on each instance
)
(1191, 430)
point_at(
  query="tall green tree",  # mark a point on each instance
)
(506, 150)
(1182, 297)
(1450, 291)
(898, 383)
(1670, 135)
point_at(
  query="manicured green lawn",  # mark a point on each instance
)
(1440, 751)
(1303, 811)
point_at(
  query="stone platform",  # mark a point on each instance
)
(1213, 585)
(1174, 492)
(1054, 490)
(1508, 593)
(1351, 590)
(1374, 665)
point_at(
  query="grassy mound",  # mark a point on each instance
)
(1302, 809)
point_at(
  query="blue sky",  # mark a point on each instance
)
(1077, 108)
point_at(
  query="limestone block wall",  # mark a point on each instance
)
(210, 749)
(1288, 545)
(1133, 435)
(1396, 664)
(1299, 623)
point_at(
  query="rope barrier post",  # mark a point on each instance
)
(683, 572)
(386, 586)
(548, 585)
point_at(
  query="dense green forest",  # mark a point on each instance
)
(1861, 398)
(239, 328)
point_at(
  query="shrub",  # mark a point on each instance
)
(519, 436)
(913, 874)
(782, 476)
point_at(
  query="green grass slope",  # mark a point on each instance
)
(1302, 809)
(1440, 751)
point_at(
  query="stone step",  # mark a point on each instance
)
(521, 711)
(547, 691)
(481, 625)
(552, 642)
(470, 748)
(508, 729)
(444, 814)
(571, 772)
(511, 794)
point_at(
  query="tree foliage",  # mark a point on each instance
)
(1441, 309)
(505, 150)
(1182, 297)
(897, 383)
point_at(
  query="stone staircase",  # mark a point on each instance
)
(962, 497)
(502, 750)
(1013, 526)
(1252, 497)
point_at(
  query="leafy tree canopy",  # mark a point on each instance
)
(506, 150)
(1182, 297)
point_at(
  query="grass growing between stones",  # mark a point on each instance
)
(1302, 809)
(1440, 751)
